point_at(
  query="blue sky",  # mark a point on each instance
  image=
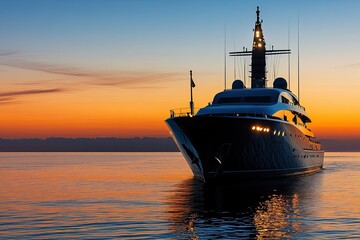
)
(134, 34)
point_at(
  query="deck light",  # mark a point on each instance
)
(261, 129)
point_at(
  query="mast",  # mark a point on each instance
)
(192, 84)
(258, 53)
(289, 75)
(258, 64)
(298, 55)
(225, 58)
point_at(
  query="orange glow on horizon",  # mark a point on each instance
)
(110, 111)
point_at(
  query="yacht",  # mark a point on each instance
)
(256, 132)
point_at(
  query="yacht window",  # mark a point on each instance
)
(284, 100)
(294, 101)
(248, 99)
(295, 119)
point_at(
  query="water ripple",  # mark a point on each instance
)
(142, 196)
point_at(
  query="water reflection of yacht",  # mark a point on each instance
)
(268, 209)
(249, 132)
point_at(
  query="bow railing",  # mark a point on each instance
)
(182, 112)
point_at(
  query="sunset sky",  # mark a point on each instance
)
(115, 68)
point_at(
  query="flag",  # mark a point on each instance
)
(192, 83)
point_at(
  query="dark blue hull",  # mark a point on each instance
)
(230, 146)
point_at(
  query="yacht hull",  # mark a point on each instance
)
(230, 146)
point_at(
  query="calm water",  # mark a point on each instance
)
(153, 195)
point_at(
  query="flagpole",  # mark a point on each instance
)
(191, 95)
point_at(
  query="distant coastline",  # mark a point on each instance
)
(130, 145)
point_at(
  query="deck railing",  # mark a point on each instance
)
(297, 105)
(182, 112)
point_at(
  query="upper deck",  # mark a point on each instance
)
(258, 100)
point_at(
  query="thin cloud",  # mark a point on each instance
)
(125, 79)
(11, 97)
(6, 100)
(355, 65)
(29, 92)
(132, 79)
(352, 65)
(7, 53)
(49, 68)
